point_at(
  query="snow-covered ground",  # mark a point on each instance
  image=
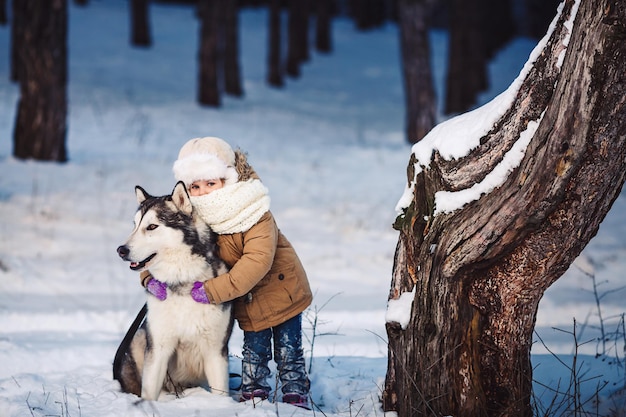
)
(331, 149)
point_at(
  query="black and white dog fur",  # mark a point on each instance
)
(181, 343)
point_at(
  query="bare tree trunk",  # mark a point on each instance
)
(467, 63)
(208, 77)
(297, 36)
(3, 12)
(500, 27)
(17, 38)
(418, 80)
(367, 14)
(40, 126)
(323, 31)
(540, 14)
(274, 62)
(479, 271)
(140, 23)
(302, 35)
(232, 71)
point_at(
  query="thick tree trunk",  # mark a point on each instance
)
(140, 23)
(479, 271)
(419, 92)
(41, 125)
(274, 62)
(232, 71)
(208, 57)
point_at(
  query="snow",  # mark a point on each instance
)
(457, 137)
(399, 310)
(329, 146)
(449, 201)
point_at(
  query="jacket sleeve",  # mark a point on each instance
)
(259, 248)
(144, 277)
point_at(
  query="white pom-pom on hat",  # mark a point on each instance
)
(206, 158)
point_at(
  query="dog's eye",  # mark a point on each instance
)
(152, 226)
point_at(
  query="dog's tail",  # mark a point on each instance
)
(124, 348)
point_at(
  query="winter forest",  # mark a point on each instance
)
(450, 173)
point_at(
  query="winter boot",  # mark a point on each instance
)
(298, 400)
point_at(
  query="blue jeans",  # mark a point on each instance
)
(257, 351)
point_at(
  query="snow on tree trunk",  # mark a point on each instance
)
(499, 203)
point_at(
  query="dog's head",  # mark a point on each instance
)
(161, 225)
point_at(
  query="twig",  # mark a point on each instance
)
(314, 335)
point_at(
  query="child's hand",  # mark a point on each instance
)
(157, 288)
(198, 294)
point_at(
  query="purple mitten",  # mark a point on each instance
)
(157, 288)
(198, 294)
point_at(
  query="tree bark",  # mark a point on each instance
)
(40, 126)
(208, 74)
(274, 62)
(479, 272)
(419, 92)
(232, 71)
(140, 23)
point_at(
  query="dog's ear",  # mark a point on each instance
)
(141, 194)
(181, 200)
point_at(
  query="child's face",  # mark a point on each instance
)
(202, 187)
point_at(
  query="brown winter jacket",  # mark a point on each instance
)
(267, 281)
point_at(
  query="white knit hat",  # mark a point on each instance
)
(207, 158)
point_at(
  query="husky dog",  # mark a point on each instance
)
(180, 343)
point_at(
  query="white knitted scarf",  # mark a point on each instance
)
(234, 208)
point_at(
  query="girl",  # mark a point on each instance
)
(266, 279)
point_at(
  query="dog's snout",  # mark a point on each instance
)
(123, 251)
